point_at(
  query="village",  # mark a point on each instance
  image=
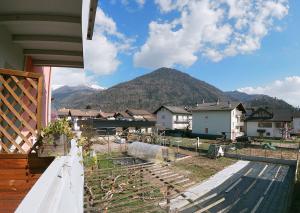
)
(183, 149)
(153, 138)
(207, 120)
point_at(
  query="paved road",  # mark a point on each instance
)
(259, 187)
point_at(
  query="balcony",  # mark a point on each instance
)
(60, 187)
(240, 123)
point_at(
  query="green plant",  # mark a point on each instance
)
(56, 128)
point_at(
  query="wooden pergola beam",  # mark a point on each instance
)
(46, 38)
(41, 18)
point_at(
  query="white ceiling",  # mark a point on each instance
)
(50, 31)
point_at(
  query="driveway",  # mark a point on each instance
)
(258, 187)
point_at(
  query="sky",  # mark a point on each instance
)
(251, 46)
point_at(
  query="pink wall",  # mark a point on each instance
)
(46, 71)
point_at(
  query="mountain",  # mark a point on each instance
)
(258, 100)
(162, 86)
(64, 96)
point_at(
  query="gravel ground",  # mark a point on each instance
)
(112, 147)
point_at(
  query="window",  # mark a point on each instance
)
(163, 117)
(279, 125)
(265, 124)
(206, 117)
(206, 130)
(176, 117)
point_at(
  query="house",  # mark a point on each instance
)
(64, 113)
(83, 114)
(173, 117)
(107, 115)
(124, 116)
(140, 114)
(219, 118)
(296, 122)
(265, 122)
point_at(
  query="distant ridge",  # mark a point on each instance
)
(162, 86)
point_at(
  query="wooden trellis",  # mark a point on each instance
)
(20, 110)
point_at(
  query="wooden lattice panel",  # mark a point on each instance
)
(20, 110)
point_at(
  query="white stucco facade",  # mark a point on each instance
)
(168, 120)
(218, 122)
(254, 130)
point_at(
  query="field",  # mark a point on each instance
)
(199, 168)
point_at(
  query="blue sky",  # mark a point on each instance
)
(134, 37)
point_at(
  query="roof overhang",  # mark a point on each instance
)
(49, 31)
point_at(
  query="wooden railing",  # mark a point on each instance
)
(20, 110)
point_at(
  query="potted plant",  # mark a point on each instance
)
(55, 139)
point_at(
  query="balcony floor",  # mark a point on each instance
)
(18, 173)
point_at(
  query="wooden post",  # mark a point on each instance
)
(168, 198)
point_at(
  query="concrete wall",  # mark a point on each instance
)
(216, 122)
(262, 159)
(11, 54)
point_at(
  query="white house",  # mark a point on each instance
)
(296, 123)
(219, 118)
(269, 123)
(173, 117)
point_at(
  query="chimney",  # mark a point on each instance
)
(218, 101)
(229, 104)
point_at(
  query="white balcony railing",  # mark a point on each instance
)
(60, 188)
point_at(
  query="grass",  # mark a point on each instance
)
(199, 168)
(103, 160)
(279, 141)
(189, 142)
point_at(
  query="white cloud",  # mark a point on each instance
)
(287, 89)
(214, 29)
(129, 6)
(70, 77)
(100, 53)
(141, 2)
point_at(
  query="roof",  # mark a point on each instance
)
(149, 117)
(84, 113)
(174, 109)
(137, 112)
(50, 32)
(218, 106)
(282, 115)
(296, 114)
(273, 115)
(123, 114)
(63, 112)
(106, 114)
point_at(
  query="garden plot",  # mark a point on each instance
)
(132, 185)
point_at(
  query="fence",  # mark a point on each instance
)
(20, 110)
